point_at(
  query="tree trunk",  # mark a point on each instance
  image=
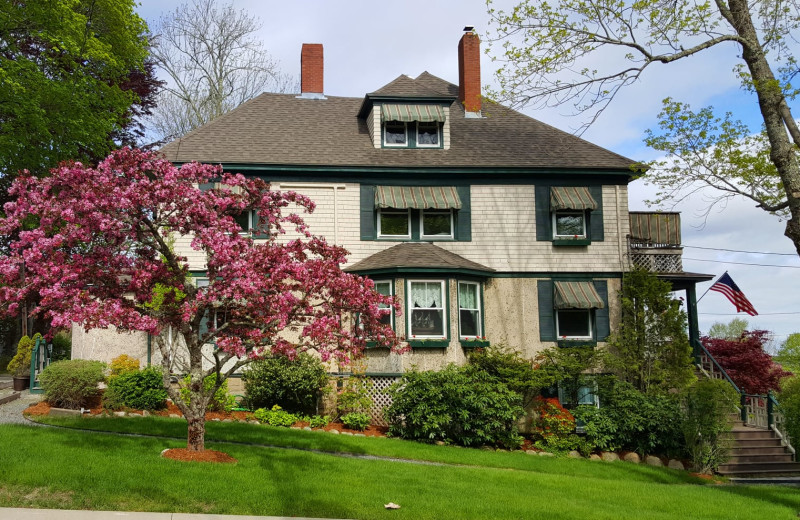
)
(196, 438)
(771, 101)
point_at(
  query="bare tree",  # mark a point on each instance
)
(583, 52)
(213, 61)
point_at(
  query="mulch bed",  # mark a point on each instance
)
(184, 455)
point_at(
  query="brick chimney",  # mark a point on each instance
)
(311, 69)
(469, 72)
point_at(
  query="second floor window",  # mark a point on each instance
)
(394, 223)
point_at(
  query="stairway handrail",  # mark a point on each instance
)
(704, 350)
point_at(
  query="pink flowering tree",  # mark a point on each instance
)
(100, 253)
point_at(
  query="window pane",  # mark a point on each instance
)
(243, 220)
(436, 223)
(394, 223)
(425, 322)
(569, 224)
(394, 133)
(468, 296)
(428, 134)
(469, 321)
(574, 323)
(426, 295)
(384, 288)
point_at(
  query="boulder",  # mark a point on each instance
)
(546, 454)
(632, 457)
(675, 464)
(594, 456)
(651, 460)
(609, 456)
(574, 455)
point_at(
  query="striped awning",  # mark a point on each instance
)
(425, 113)
(418, 197)
(656, 228)
(571, 197)
(577, 295)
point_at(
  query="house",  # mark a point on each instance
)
(489, 226)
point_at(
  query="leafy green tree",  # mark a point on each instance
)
(789, 353)
(583, 52)
(73, 79)
(732, 330)
(650, 350)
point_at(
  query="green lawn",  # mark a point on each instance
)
(75, 469)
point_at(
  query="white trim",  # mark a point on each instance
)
(391, 293)
(569, 212)
(438, 135)
(422, 234)
(589, 316)
(410, 309)
(398, 211)
(477, 309)
(394, 145)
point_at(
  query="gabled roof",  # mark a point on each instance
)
(285, 130)
(417, 255)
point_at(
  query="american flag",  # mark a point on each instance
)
(728, 287)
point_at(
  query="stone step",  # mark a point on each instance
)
(757, 443)
(742, 433)
(748, 468)
(7, 395)
(778, 457)
(758, 450)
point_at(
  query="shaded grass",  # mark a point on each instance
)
(379, 447)
(73, 469)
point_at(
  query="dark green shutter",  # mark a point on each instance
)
(596, 233)
(368, 231)
(544, 222)
(464, 215)
(547, 317)
(601, 323)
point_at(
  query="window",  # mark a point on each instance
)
(385, 288)
(394, 223)
(245, 221)
(569, 224)
(436, 224)
(394, 134)
(428, 134)
(574, 323)
(426, 313)
(469, 310)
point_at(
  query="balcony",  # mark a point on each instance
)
(655, 242)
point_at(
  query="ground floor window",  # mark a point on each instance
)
(574, 323)
(384, 287)
(469, 310)
(426, 309)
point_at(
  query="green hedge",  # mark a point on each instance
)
(295, 385)
(72, 383)
(137, 389)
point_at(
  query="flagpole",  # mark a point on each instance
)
(709, 287)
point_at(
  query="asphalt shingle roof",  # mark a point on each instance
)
(411, 255)
(282, 129)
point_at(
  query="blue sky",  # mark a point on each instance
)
(367, 44)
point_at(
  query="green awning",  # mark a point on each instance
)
(656, 228)
(425, 113)
(577, 295)
(418, 197)
(571, 197)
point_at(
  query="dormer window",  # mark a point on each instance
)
(412, 126)
(395, 133)
(428, 134)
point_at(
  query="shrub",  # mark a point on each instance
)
(789, 399)
(294, 385)
(554, 428)
(62, 346)
(708, 404)
(72, 383)
(276, 416)
(455, 405)
(319, 421)
(631, 420)
(354, 397)
(122, 364)
(356, 420)
(139, 389)
(221, 401)
(20, 364)
(747, 362)
(517, 373)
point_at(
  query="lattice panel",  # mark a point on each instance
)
(658, 263)
(380, 399)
